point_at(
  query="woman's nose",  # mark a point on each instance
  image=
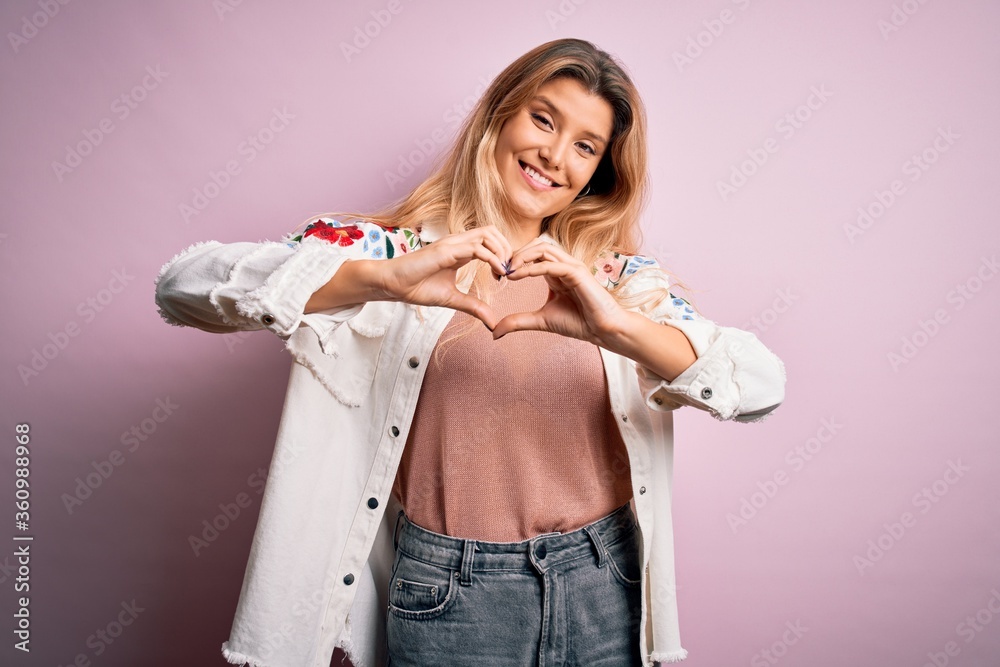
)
(552, 154)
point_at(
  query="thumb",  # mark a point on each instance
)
(473, 306)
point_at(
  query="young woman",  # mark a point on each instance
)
(474, 461)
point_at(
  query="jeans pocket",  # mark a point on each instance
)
(420, 590)
(624, 560)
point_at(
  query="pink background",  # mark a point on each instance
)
(773, 257)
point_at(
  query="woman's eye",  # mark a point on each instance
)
(588, 148)
(541, 118)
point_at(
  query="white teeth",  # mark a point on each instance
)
(535, 175)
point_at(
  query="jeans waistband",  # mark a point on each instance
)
(539, 553)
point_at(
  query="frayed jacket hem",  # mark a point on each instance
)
(237, 658)
(668, 657)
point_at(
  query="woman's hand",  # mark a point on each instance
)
(427, 277)
(578, 306)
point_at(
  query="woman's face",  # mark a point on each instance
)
(547, 152)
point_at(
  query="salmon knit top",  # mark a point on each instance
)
(512, 438)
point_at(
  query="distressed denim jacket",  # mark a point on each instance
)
(320, 562)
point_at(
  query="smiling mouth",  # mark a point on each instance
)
(537, 177)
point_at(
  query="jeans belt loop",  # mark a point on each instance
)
(467, 552)
(395, 529)
(595, 537)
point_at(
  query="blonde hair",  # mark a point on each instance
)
(465, 189)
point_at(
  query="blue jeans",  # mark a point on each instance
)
(557, 599)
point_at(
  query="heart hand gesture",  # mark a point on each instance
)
(578, 306)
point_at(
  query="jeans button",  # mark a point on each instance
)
(540, 551)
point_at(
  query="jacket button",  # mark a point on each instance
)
(394, 430)
(642, 490)
(349, 579)
(706, 392)
(414, 362)
(624, 418)
(373, 503)
(267, 319)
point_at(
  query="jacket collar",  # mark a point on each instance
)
(550, 239)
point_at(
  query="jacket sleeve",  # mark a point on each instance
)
(734, 377)
(224, 288)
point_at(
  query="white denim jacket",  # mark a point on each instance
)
(319, 565)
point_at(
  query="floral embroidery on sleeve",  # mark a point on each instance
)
(636, 262)
(682, 306)
(608, 269)
(343, 236)
(611, 267)
(366, 238)
(400, 240)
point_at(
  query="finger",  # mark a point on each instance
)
(531, 245)
(533, 321)
(573, 282)
(546, 267)
(489, 237)
(462, 250)
(484, 254)
(542, 251)
(498, 243)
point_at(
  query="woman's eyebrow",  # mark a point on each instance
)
(555, 110)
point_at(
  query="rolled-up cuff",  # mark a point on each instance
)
(279, 303)
(734, 377)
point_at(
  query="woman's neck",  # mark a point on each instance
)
(523, 233)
